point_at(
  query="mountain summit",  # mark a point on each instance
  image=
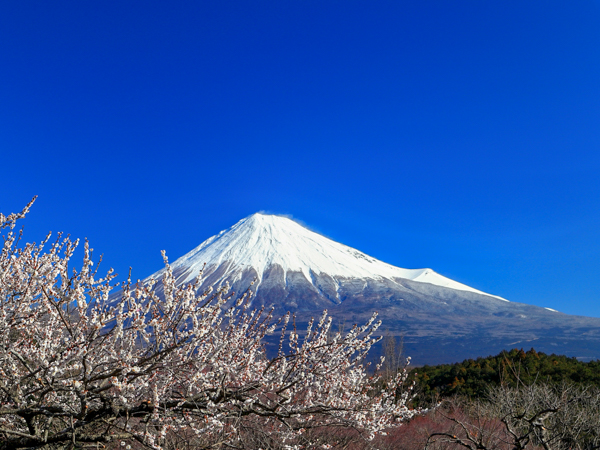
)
(440, 320)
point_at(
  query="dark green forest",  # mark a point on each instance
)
(473, 377)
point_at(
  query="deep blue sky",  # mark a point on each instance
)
(458, 135)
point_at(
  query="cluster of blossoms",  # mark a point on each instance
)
(79, 365)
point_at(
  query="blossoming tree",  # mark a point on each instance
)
(80, 367)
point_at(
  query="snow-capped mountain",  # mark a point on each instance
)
(295, 269)
(260, 242)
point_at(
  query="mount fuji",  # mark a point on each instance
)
(439, 319)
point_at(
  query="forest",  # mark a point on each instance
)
(473, 378)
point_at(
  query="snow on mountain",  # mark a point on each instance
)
(261, 241)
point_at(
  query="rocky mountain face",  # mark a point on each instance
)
(438, 319)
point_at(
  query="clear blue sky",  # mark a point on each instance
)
(458, 135)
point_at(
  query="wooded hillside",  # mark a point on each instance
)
(473, 377)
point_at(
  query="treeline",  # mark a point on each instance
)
(473, 378)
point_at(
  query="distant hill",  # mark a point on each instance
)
(472, 377)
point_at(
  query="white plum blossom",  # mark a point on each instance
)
(81, 365)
